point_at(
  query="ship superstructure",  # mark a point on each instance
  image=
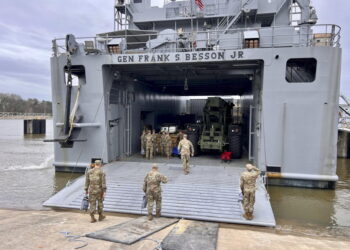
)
(271, 53)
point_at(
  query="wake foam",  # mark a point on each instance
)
(47, 163)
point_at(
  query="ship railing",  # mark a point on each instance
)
(186, 10)
(244, 38)
(210, 9)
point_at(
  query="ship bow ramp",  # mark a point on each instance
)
(209, 193)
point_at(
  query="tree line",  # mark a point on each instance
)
(15, 103)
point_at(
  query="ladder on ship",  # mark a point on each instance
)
(123, 10)
(227, 22)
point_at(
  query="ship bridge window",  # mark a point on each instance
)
(301, 70)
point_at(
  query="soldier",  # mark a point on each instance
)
(186, 150)
(143, 143)
(180, 136)
(153, 190)
(95, 186)
(248, 182)
(154, 138)
(162, 144)
(168, 145)
(149, 145)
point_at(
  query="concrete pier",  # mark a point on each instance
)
(36, 126)
(42, 230)
(343, 143)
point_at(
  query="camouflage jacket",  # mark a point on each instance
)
(149, 140)
(185, 147)
(163, 140)
(168, 141)
(143, 139)
(152, 182)
(95, 181)
(248, 180)
(154, 138)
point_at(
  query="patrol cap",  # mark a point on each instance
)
(98, 162)
(249, 167)
(155, 166)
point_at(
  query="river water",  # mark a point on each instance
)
(27, 179)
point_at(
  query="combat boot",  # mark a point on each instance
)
(250, 216)
(246, 216)
(158, 213)
(93, 220)
(150, 217)
(101, 217)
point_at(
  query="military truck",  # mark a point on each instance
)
(217, 132)
(216, 118)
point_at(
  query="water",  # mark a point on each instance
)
(27, 179)
(314, 211)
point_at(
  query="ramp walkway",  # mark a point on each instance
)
(208, 193)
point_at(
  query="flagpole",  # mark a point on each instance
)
(191, 17)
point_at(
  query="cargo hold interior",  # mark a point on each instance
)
(152, 95)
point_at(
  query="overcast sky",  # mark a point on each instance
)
(28, 26)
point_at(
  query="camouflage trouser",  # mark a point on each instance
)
(168, 151)
(162, 149)
(143, 149)
(151, 197)
(93, 198)
(149, 152)
(248, 201)
(185, 162)
(154, 149)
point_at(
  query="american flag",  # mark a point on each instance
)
(199, 4)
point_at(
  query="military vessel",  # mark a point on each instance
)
(272, 54)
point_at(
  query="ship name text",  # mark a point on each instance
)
(180, 57)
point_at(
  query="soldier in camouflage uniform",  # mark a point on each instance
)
(162, 144)
(248, 182)
(95, 186)
(168, 145)
(153, 190)
(154, 138)
(149, 145)
(186, 150)
(180, 136)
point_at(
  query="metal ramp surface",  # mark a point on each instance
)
(208, 193)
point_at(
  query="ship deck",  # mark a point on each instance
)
(209, 193)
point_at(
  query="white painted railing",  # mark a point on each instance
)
(269, 37)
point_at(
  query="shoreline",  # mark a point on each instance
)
(33, 229)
